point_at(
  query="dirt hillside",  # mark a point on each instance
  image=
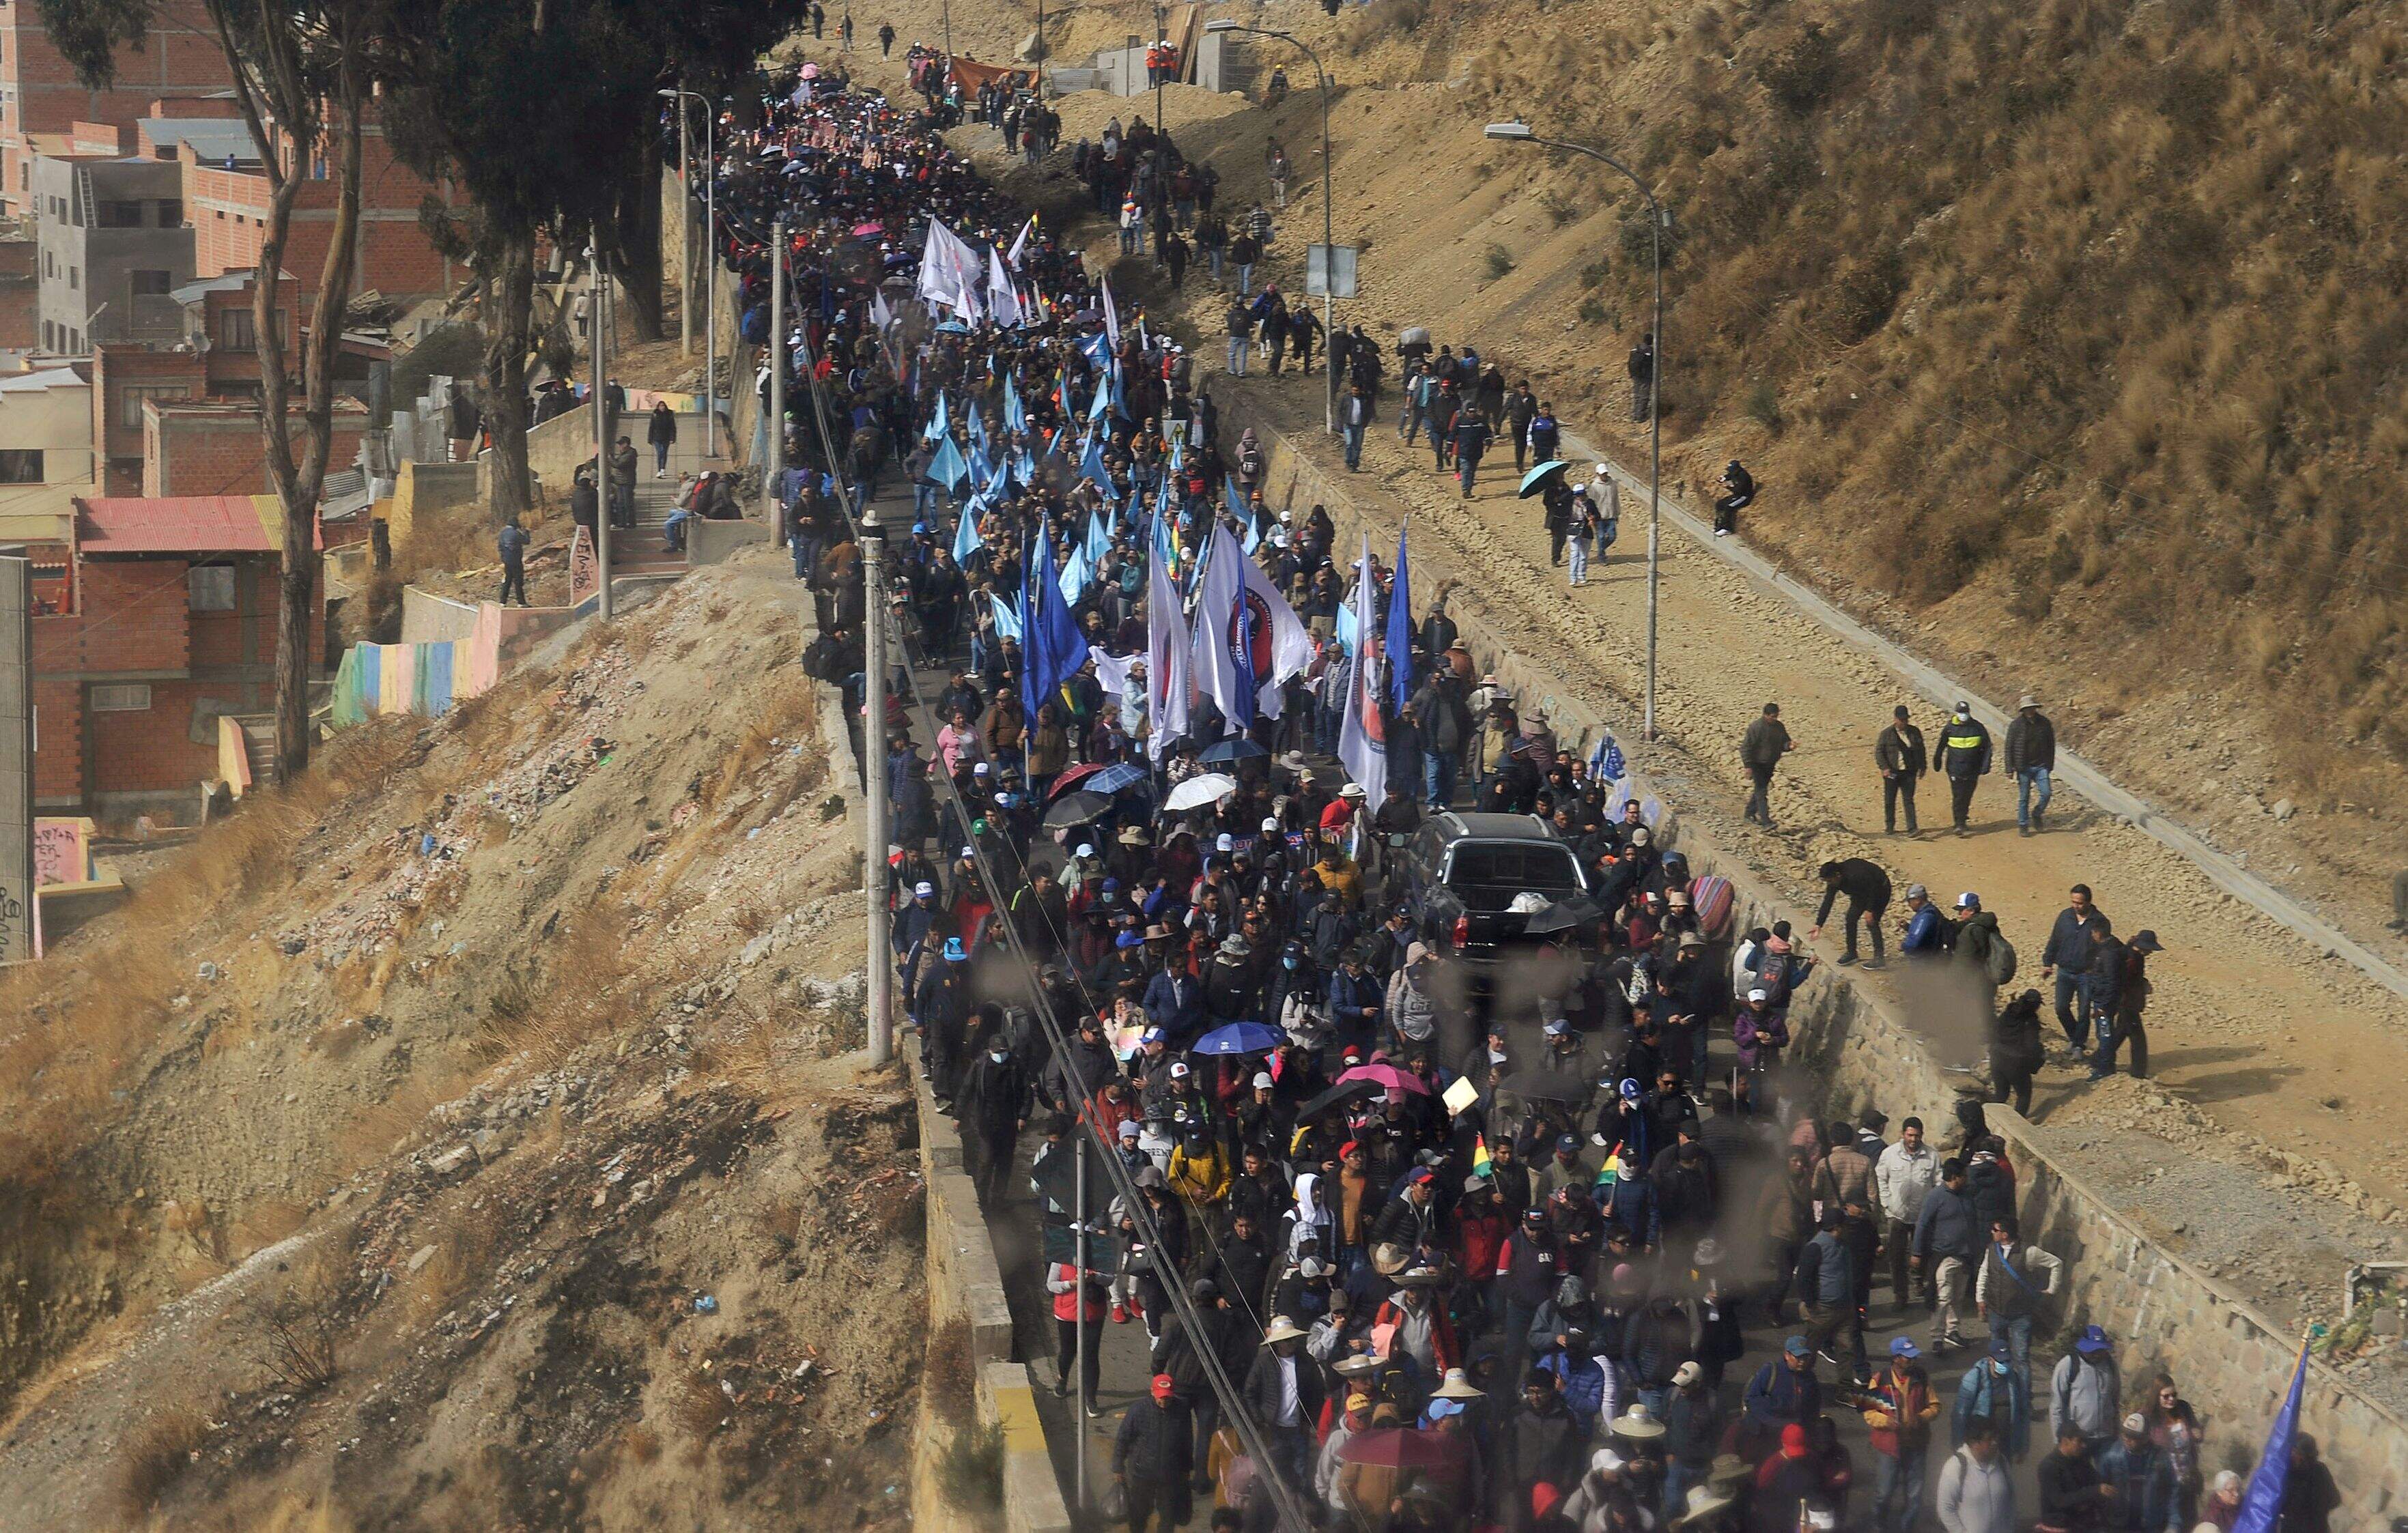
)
(464, 1140)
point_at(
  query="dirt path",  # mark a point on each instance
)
(2266, 1034)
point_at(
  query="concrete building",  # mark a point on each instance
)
(114, 247)
(20, 289)
(212, 446)
(41, 100)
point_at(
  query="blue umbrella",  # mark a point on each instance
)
(1240, 1038)
(1536, 477)
(1236, 747)
(1112, 778)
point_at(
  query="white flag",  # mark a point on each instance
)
(1167, 669)
(1111, 314)
(1245, 631)
(1002, 298)
(1021, 244)
(1363, 734)
(939, 278)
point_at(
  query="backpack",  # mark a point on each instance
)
(1999, 962)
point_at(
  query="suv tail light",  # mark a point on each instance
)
(1462, 930)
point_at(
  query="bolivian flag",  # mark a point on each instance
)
(1481, 1163)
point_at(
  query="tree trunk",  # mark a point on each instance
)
(638, 258)
(511, 285)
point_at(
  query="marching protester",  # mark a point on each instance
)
(1170, 761)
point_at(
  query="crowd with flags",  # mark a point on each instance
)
(1466, 1252)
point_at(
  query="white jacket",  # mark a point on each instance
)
(1976, 1497)
(1903, 1179)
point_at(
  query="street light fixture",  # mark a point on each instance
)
(711, 260)
(1329, 239)
(1657, 223)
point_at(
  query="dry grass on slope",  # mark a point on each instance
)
(2091, 306)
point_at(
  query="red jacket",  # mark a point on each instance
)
(1478, 1238)
(1064, 1285)
(1450, 1353)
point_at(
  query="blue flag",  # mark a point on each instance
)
(966, 536)
(978, 430)
(1606, 761)
(1099, 540)
(1007, 618)
(1015, 418)
(2261, 1509)
(1103, 399)
(1346, 633)
(939, 424)
(1401, 631)
(1075, 576)
(1091, 464)
(947, 469)
(1050, 646)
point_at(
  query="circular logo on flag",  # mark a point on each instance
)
(1249, 634)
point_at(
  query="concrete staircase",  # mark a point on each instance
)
(641, 553)
(259, 745)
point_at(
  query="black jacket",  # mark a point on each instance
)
(1262, 1390)
(1900, 749)
(1155, 1443)
(1864, 883)
(2069, 944)
(2031, 741)
(1962, 750)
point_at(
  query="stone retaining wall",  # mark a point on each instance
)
(2234, 1363)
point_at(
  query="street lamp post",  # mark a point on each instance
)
(1329, 239)
(597, 323)
(685, 233)
(1655, 225)
(710, 266)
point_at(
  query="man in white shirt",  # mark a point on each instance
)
(1903, 1175)
(1283, 1391)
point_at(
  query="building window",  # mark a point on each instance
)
(118, 215)
(235, 331)
(212, 587)
(75, 278)
(121, 697)
(49, 336)
(129, 409)
(21, 465)
(149, 284)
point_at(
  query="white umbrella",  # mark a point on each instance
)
(1199, 791)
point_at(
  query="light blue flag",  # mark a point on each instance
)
(1025, 469)
(981, 470)
(939, 423)
(1099, 540)
(1400, 629)
(1015, 418)
(1346, 623)
(966, 536)
(1103, 399)
(1178, 458)
(1091, 464)
(947, 469)
(978, 428)
(1007, 618)
(1120, 392)
(998, 488)
(1075, 576)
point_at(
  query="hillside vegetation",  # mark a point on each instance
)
(2092, 307)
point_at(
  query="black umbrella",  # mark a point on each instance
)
(1076, 808)
(1563, 916)
(1547, 1085)
(1343, 1092)
(1236, 747)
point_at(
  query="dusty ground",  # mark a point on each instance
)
(505, 1167)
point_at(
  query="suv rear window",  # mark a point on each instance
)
(1488, 874)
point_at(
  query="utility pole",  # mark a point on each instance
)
(598, 327)
(774, 462)
(1079, 1295)
(685, 231)
(873, 781)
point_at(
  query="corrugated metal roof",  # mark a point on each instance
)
(180, 525)
(48, 378)
(212, 137)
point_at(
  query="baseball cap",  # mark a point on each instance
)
(1687, 1374)
(1568, 1141)
(2092, 1339)
(923, 890)
(1162, 1385)
(1441, 1408)
(1758, 995)
(1224, 842)
(2136, 1424)
(1916, 891)
(1422, 1176)
(1086, 849)
(1152, 1034)
(1177, 1068)
(1262, 1080)
(1903, 1346)
(1797, 1347)
(1969, 901)
(1128, 1128)
(1558, 1028)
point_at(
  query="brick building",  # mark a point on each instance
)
(210, 447)
(41, 101)
(20, 295)
(171, 622)
(228, 211)
(215, 361)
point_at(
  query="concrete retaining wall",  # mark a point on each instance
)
(2233, 1362)
(964, 1284)
(716, 542)
(426, 618)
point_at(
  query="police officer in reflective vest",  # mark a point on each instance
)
(1963, 753)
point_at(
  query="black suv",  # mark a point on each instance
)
(1466, 871)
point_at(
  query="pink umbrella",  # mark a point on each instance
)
(1072, 777)
(811, 71)
(1389, 1076)
(861, 229)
